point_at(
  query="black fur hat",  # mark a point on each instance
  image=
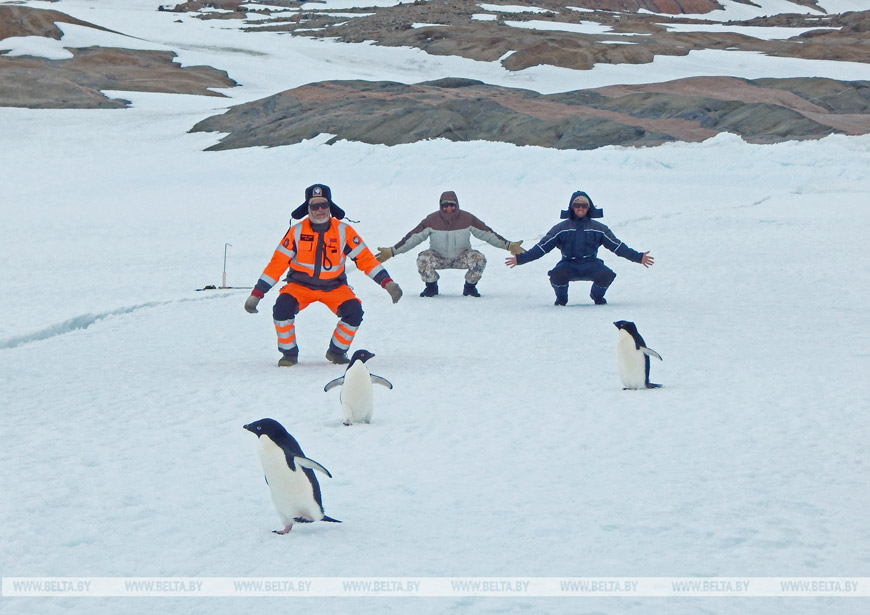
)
(321, 191)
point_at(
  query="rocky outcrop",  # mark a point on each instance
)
(76, 83)
(760, 111)
(37, 83)
(24, 21)
(673, 7)
(455, 31)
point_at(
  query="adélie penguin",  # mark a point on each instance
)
(632, 357)
(289, 474)
(357, 392)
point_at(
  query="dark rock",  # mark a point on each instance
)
(26, 21)
(39, 83)
(389, 113)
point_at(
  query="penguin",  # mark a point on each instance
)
(289, 474)
(632, 357)
(357, 394)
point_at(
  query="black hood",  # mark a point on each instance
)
(593, 212)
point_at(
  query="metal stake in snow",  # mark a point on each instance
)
(223, 285)
(224, 279)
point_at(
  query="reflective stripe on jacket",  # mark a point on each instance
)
(578, 239)
(317, 259)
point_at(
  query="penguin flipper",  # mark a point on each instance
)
(330, 519)
(651, 353)
(378, 380)
(332, 384)
(305, 462)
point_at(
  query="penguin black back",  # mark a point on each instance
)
(629, 360)
(276, 432)
(280, 436)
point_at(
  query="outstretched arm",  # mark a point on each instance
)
(547, 243)
(281, 258)
(646, 260)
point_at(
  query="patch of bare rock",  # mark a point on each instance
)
(77, 82)
(464, 28)
(694, 109)
(760, 111)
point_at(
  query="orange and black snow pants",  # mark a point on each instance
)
(294, 298)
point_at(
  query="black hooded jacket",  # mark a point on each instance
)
(579, 238)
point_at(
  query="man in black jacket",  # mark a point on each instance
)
(579, 238)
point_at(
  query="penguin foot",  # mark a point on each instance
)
(284, 531)
(653, 385)
(347, 423)
(303, 520)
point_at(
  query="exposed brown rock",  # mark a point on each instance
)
(75, 83)
(761, 111)
(25, 21)
(454, 32)
(458, 109)
(38, 83)
(673, 7)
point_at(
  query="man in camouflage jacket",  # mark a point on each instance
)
(449, 232)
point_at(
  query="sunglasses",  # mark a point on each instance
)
(318, 206)
(580, 205)
(448, 204)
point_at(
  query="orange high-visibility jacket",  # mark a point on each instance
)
(316, 260)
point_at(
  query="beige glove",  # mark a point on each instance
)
(384, 254)
(394, 290)
(514, 247)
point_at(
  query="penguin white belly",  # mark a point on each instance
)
(357, 394)
(292, 492)
(630, 362)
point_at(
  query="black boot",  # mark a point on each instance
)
(431, 289)
(336, 355)
(288, 359)
(561, 294)
(597, 294)
(470, 290)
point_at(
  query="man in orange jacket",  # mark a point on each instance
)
(315, 251)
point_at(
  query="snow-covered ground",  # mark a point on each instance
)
(507, 447)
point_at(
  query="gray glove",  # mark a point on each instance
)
(394, 290)
(251, 304)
